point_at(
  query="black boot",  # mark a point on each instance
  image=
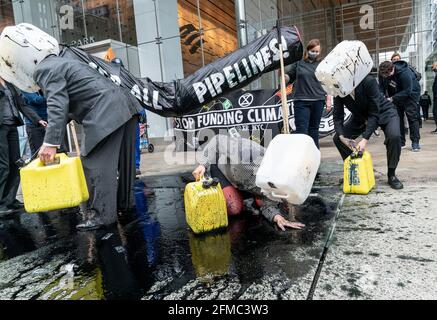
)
(394, 182)
(16, 205)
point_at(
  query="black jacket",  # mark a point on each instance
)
(402, 86)
(19, 104)
(75, 91)
(306, 85)
(369, 105)
(425, 100)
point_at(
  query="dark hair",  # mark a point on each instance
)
(386, 68)
(395, 55)
(311, 45)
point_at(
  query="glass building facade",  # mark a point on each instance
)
(169, 39)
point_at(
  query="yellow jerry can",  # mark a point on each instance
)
(55, 186)
(359, 177)
(205, 206)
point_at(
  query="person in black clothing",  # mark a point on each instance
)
(308, 96)
(434, 93)
(399, 84)
(425, 103)
(10, 105)
(369, 110)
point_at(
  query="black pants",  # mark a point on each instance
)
(419, 117)
(425, 111)
(111, 158)
(35, 135)
(9, 173)
(409, 108)
(355, 128)
(307, 116)
(434, 112)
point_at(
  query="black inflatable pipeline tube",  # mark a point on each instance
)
(228, 73)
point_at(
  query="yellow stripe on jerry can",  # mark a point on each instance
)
(55, 186)
(205, 206)
(359, 177)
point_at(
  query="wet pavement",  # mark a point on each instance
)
(384, 247)
(152, 254)
(381, 246)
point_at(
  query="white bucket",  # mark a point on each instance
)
(344, 68)
(289, 167)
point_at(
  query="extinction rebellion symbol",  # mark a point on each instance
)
(245, 100)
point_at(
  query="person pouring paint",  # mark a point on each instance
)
(74, 91)
(359, 92)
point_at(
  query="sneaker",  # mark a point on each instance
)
(435, 131)
(138, 172)
(403, 146)
(415, 147)
(395, 183)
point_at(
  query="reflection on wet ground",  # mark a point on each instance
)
(152, 254)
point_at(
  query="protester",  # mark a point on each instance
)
(425, 103)
(75, 91)
(10, 105)
(401, 87)
(434, 93)
(309, 98)
(369, 110)
(237, 160)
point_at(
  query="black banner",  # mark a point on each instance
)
(216, 79)
(250, 112)
(240, 108)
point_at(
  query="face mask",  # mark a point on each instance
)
(312, 55)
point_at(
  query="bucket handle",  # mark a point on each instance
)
(280, 196)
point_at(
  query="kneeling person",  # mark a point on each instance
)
(241, 160)
(369, 110)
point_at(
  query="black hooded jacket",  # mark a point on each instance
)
(402, 86)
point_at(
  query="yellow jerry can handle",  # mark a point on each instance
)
(59, 157)
(357, 154)
(208, 182)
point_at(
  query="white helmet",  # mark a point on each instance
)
(22, 48)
